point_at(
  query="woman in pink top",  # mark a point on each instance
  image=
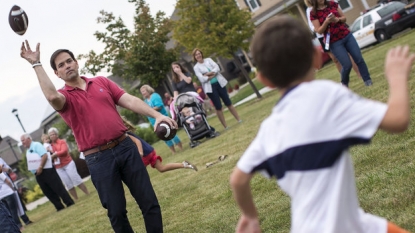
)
(64, 164)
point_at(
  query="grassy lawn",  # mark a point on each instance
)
(202, 201)
(246, 91)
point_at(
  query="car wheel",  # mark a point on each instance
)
(381, 36)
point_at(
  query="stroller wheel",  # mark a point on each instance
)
(193, 144)
(213, 134)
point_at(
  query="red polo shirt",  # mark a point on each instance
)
(92, 114)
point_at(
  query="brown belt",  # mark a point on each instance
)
(107, 146)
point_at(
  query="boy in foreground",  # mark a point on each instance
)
(304, 142)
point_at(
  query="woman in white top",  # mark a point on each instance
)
(320, 38)
(8, 196)
(213, 84)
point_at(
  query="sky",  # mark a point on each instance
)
(55, 25)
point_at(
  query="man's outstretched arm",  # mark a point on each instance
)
(56, 99)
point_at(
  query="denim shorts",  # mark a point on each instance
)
(218, 93)
(175, 140)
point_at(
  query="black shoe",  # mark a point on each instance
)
(28, 223)
(368, 83)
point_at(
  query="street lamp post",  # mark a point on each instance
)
(14, 111)
(11, 147)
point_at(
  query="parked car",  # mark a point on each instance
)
(400, 20)
(381, 22)
(325, 57)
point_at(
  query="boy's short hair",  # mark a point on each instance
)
(283, 50)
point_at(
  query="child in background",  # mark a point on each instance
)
(190, 120)
(46, 143)
(148, 154)
(305, 141)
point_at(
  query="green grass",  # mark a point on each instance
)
(202, 201)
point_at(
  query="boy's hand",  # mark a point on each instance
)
(248, 225)
(398, 64)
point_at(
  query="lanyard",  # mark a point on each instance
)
(327, 45)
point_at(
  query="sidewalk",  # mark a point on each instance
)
(43, 200)
(247, 99)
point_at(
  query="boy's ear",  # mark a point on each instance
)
(264, 80)
(317, 58)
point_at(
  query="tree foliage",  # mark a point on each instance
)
(65, 131)
(134, 55)
(131, 116)
(214, 26)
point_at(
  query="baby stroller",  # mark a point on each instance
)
(195, 124)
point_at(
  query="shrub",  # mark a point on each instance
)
(35, 194)
(147, 134)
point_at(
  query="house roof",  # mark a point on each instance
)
(49, 115)
(6, 153)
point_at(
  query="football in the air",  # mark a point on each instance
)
(18, 20)
(165, 132)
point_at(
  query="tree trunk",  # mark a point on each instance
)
(245, 74)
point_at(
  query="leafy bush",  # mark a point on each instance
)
(35, 194)
(147, 134)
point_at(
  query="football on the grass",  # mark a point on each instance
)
(18, 20)
(165, 132)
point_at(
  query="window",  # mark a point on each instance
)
(367, 20)
(253, 5)
(356, 26)
(345, 5)
(389, 9)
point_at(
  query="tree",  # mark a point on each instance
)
(133, 55)
(216, 27)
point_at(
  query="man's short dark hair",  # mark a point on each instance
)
(283, 50)
(56, 53)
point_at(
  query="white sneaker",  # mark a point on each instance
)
(186, 164)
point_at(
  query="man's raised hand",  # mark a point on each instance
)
(27, 53)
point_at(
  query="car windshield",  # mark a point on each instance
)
(390, 8)
(356, 25)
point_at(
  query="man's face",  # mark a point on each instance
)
(26, 141)
(66, 67)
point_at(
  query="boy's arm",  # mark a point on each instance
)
(242, 192)
(398, 66)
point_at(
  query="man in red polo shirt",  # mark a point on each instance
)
(88, 106)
